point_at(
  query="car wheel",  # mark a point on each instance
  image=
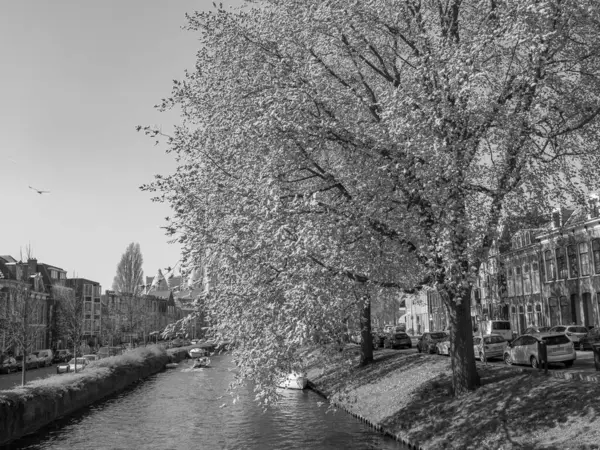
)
(534, 362)
(568, 363)
(507, 359)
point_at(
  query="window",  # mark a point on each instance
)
(573, 261)
(519, 242)
(561, 263)
(550, 269)
(521, 309)
(585, 259)
(53, 274)
(530, 314)
(526, 279)
(596, 252)
(511, 282)
(63, 276)
(527, 238)
(535, 277)
(518, 281)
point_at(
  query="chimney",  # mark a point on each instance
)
(31, 266)
(556, 219)
(593, 206)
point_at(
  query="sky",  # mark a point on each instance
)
(77, 77)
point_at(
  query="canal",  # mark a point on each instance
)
(186, 408)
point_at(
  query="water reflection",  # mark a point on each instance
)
(186, 408)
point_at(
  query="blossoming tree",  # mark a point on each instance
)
(329, 148)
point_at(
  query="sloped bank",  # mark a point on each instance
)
(408, 396)
(26, 409)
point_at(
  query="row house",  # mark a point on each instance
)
(544, 274)
(88, 292)
(24, 307)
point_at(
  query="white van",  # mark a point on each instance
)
(500, 327)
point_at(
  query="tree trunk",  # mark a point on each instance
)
(464, 371)
(366, 346)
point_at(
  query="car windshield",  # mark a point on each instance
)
(578, 329)
(493, 339)
(556, 340)
(438, 335)
(500, 325)
(401, 335)
(559, 329)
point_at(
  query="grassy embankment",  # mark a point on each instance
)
(97, 370)
(409, 395)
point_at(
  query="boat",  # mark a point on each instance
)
(197, 352)
(201, 362)
(294, 380)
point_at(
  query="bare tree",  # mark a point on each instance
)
(70, 317)
(21, 318)
(129, 277)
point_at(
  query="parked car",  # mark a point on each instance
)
(75, 363)
(593, 337)
(62, 356)
(91, 358)
(443, 346)
(397, 339)
(30, 363)
(501, 327)
(573, 332)
(536, 330)
(492, 346)
(45, 357)
(427, 342)
(524, 350)
(105, 352)
(8, 364)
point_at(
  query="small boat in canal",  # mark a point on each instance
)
(197, 352)
(201, 362)
(294, 381)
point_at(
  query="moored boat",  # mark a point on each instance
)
(294, 380)
(197, 352)
(201, 362)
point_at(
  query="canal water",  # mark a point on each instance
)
(186, 408)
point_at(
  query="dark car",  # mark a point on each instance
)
(427, 343)
(593, 337)
(397, 339)
(61, 356)
(8, 364)
(105, 352)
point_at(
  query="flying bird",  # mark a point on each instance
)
(38, 191)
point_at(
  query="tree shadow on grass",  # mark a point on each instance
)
(344, 375)
(510, 410)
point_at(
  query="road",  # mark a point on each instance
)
(8, 381)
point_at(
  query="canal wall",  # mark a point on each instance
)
(25, 410)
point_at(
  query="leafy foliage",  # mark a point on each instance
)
(328, 149)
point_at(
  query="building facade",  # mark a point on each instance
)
(88, 292)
